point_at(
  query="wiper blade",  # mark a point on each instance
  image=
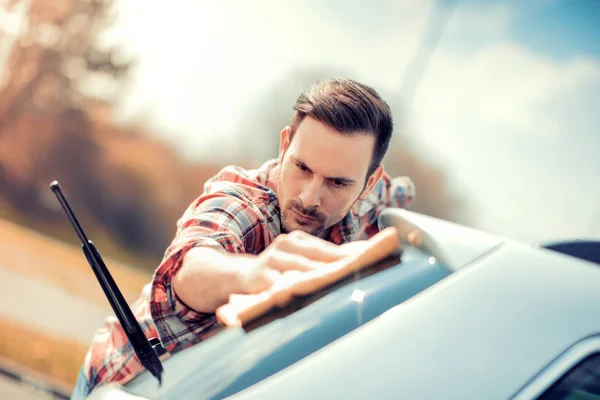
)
(146, 351)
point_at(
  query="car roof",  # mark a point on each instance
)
(482, 332)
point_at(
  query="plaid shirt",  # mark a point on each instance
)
(238, 212)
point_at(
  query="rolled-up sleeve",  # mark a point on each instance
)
(401, 192)
(219, 222)
(396, 192)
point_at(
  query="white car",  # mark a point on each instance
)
(466, 315)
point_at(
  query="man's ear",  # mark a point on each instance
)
(284, 141)
(373, 179)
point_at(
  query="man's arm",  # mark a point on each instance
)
(396, 192)
(207, 261)
(208, 276)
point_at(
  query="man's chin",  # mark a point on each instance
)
(291, 226)
(296, 227)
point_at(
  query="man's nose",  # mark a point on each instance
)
(311, 195)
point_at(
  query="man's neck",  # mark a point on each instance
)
(324, 234)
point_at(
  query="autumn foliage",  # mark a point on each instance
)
(127, 188)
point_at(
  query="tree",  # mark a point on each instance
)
(56, 54)
(52, 126)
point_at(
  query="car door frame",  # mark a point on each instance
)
(559, 367)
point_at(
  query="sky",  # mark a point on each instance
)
(507, 105)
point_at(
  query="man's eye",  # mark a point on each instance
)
(338, 183)
(302, 167)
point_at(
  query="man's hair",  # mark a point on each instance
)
(349, 108)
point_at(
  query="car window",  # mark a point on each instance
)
(582, 382)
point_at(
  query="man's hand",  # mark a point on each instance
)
(296, 251)
(243, 308)
(208, 276)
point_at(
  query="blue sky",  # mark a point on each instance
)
(566, 167)
(507, 106)
(553, 28)
(558, 28)
(536, 166)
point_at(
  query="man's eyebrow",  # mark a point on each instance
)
(346, 181)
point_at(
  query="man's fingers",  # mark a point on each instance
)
(415, 238)
(354, 248)
(303, 237)
(286, 261)
(312, 250)
(311, 247)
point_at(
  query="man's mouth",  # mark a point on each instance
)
(303, 218)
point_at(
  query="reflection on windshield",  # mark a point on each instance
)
(236, 358)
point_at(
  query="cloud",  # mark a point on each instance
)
(513, 128)
(479, 23)
(502, 86)
(202, 64)
(519, 131)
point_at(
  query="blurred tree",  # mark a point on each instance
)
(54, 53)
(57, 83)
(273, 110)
(50, 48)
(435, 195)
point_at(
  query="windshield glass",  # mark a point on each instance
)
(236, 358)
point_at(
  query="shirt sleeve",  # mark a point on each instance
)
(400, 191)
(224, 222)
(396, 192)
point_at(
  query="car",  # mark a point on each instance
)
(462, 315)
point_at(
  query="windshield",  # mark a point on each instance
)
(236, 358)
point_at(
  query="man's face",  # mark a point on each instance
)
(322, 174)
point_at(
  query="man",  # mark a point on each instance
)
(325, 190)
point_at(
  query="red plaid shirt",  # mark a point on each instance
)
(238, 212)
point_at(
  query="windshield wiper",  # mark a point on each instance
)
(147, 351)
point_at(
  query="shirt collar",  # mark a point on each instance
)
(345, 230)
